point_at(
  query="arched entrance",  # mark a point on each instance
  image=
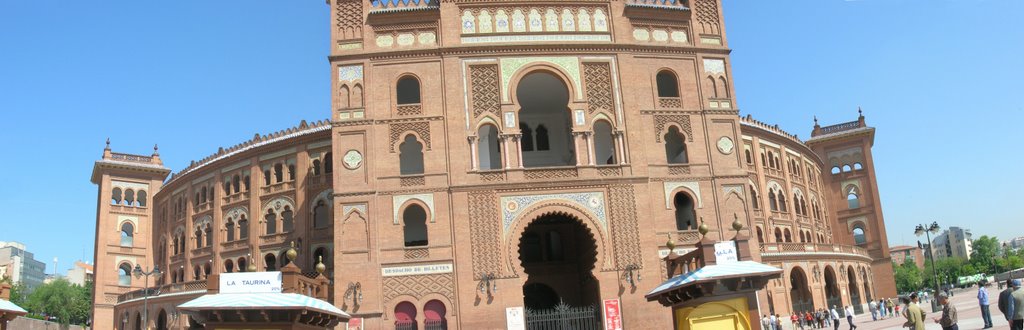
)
(558, 253)
(799, 291)
(544, 120)
(832, 297)
(867, 289)
(851, 277)
(161, 320)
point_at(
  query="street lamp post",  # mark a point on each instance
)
(927, 231)
(139, 273)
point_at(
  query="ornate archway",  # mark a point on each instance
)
(851, 275)
(558, 251)
(800, 291)
(832, 295)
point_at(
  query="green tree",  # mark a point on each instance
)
(67, 302)
(983, 254)
(908, 277)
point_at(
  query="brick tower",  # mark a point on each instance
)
(853, 191)
(127, 184)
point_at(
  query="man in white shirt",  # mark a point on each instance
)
(773, 321)
(835, 317)
(849, 317)
(873, 306)
(765, 325)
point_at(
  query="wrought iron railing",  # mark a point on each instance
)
(840, 127)
(563, 317)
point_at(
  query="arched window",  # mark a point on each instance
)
(207, 268)
(270, 262)
(415, 228)
(286, 219)
(489, 148)
(229, 266)
(789, 236)
(782, 202)
(245, 183)
(202, 192)
(266, 177)
(796, 204)
(755, 200)
(668, 86)
(410, 156)
(227, 188)
(271, 221)
(853, 197)
(778, 235)
(278, 173)
(772, 202)
(124, 275)
(209, 235)
(760, 235)
(405, 316)
(291, 172)
(543, 142)
(858, 236)
(747, 154)
(129, 197)
(835, 170)
(242, 264)
(857, 166)
(142, 198)
(243, 228)
(235, 181)
(527, 139)
(127, 234)
(329, 163)
(320, 215)
(229, 229)
(316, 167)
(846, 168)
(434, 315)
(686, 217)
(199, 238)
(408, 89)
(604, 143)
(675, 147)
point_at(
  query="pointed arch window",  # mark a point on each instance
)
(773, 203)
(320, 216)
(129, 197)
(853, 197)
(127, 234)
(209, 235)
(415, 229)
(124, 275)
(782, 202)
(543, 143)
(329, 163)
(243, 228)
(489, 148)
(410, 156)
(755, 200)
(527, 139)
(675, 147)
(604, 143)
(271, 221)
(686, 216)
(287, 222)
(141, 196)
(115, 196)
(229, 230)
(859, 236)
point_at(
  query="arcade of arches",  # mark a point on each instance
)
(821, 284)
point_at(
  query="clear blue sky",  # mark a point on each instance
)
(940, 79)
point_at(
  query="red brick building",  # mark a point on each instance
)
(483, 155)
(902, 253)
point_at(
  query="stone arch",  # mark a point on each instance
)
(414, 201)
(541, 66)
(389, 306)
(326, 197)
(487, 120)
(601, 116)
(587, 219)
(354, 232)
(272, 204)
(448, 304)
(344, 97)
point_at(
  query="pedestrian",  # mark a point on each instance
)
(1017, 306)
(873, 308)
(915, 315)
(765, 322)
(948, 318)
(1005, 301)
(771, 319)
(835, 318)
(892, 307)
(986, 315)
(849, 317)
(808, 319)
(778, 321)
(881, 308)
(828, 317)
(795, 320)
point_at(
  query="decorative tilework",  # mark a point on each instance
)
(347, 208)
(509, 66)
(513, 206)
(672, 185)
(714, 66)
(397, 201)
(406, 39)
(641, 34)
(536, 38)
(427, 38)
(350, 73)
(738, 189)
(385, 41)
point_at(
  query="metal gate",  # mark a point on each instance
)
(563, 317)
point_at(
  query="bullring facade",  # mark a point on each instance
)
(482, 155)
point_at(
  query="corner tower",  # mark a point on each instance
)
(127, 184)
(852, 188)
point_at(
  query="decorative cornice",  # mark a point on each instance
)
(492, 50)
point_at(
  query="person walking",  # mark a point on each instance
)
(1016, 307)
(795, 320)
(873, 307)
(986, 315)
(771, 320)
(849, 317)
(765, 325)
(809, 319)
(948, 318)
(778, 321)
(835, 318)
(915, 315)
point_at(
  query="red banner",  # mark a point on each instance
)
(612, 315)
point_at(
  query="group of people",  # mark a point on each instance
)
(1011, 304)
(821, 318)
(916, 316)
(883, 309)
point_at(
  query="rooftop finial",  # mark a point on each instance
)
(859, 112)
(815, 120)
(108, 144)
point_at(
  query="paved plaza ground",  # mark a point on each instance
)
(966, 302)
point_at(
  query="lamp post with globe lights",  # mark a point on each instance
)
(928, 231)
(139, 273)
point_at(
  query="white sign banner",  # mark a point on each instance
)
(725, 252)
(257, 282)
(515, 318)
(416, 270)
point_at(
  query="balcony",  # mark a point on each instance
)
(782, 250)
(236, 197)
(234, 245)
(278, 187)
(273, 238)
(193, 286)
(670, 103)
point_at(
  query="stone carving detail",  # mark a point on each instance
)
(533, 20)
(610, 171)
(707, 16)
(349, 19)
(571, 66)
(419, 286)
(670, 103)
(550, 174)
(599, 86)
(486, 95)
(409, 110)
(593, 202)
(660, 121)
(484, 233)
(421, 128)
(492, 176)
(417, 253)
(625, 230)
(678, 169)
(412, 181)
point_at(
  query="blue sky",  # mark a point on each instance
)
(940, 79)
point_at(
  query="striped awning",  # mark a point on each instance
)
(9, 307)
(261, 301)
(715, 272)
